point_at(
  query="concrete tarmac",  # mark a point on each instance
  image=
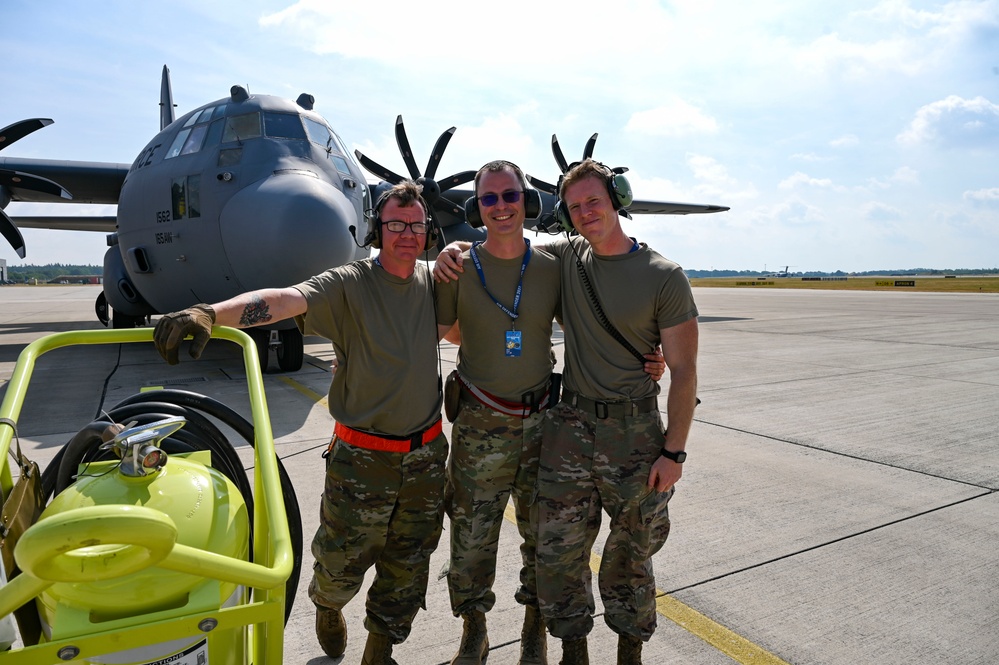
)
(839, 504)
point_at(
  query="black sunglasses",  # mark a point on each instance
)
(489, 200)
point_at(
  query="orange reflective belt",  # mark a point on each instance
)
(390, 444)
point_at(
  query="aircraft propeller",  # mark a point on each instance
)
(17, 179)
(431, 188)
(564, 165)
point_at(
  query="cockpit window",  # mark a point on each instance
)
(324, 136)
(191, 139)
(241, 127)
(283, 125)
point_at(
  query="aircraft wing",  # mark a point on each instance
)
(667, 208)
(68, 223)
(62, 181)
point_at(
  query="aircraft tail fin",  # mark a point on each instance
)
(166, 100)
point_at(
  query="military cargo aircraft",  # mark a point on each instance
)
(246, 192)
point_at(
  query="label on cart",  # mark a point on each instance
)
(196, 654)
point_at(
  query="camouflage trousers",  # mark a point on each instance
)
(384, 510)
(493, 455)
(588, 466)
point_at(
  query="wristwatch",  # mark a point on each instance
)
(679, 457)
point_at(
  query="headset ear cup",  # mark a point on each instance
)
(532, 203)
(561, 214)
(472, 214)
(620, 191)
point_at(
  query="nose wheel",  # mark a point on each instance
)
(289, 347)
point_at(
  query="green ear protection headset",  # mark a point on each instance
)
(618, 188)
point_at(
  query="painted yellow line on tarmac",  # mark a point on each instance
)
(305, 390)
(731, 644)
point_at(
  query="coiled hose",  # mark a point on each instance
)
(199, 433)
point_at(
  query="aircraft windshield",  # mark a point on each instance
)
(283, 126)
(324, 136)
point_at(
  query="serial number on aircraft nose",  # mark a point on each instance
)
(162, 216)
(164, 238)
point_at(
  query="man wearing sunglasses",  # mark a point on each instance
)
(386, 463)
(504, 310)
(604, 443)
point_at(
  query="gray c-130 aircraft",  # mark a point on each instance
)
(247, 192)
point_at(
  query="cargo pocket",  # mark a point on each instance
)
(655, 524)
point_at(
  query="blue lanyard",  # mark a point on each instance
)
(520, 285)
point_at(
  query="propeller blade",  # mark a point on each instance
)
(407, 152)
(542, 185)
(435, 156)
(450, 206)
(457, 179)
(20, 129)
(12, 234)
(376, 169)
(559, 157)
(19, 180)
(588, 150)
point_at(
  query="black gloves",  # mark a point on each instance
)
(171, 330)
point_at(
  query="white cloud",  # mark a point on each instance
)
(800, 178)
(673, 119)
(955, 121)
(845, 141)
(988, 197)
(876, 211)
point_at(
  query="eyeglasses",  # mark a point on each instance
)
(396, 226)
(489, 200)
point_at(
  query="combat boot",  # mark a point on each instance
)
(377, 650)
(533, 639)
(629, 650)
(574, 652)
(474, 647)
(331, 631)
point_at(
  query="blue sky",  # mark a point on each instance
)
(845, 136)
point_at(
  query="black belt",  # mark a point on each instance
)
(617, 409)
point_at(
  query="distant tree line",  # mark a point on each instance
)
(840, 273)
(51, 271)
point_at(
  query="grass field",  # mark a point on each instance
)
(929, 283)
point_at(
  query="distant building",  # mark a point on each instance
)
(3, 271)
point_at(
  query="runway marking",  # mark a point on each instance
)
(733, 645)
(305, 390)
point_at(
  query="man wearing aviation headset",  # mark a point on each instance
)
(604, 446)
(475, 289)
(385, 466)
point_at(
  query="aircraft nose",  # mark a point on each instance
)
(286, 228)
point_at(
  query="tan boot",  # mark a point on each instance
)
(474, 647)
(629, 650)
(574, 652)
(377, 650)
(331, 631)
(533, 639)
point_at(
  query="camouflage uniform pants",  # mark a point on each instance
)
(492, 456)
(384, 510)
(588, 464)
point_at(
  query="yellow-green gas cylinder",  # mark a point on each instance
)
(209, 513)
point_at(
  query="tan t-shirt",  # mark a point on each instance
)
(482, 357)
(641, 293)
(383, 331)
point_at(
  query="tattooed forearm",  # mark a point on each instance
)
(257, 311)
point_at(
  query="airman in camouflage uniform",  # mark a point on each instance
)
(604, 445)
(385, 469)
(505, 310)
